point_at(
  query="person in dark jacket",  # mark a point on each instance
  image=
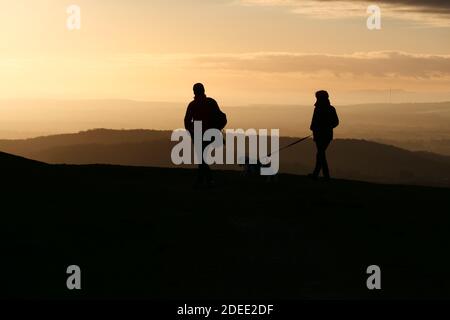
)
(324, 120)
(206, 110)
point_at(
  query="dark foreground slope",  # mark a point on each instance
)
(146, 233)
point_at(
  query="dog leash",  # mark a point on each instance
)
(290, 145)
(285, 147)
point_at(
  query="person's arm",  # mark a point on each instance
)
(335, 118)
(313, 126)
(188, 119)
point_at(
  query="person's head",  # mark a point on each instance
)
(323, 99)
(199, 90)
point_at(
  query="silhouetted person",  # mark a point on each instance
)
(206, 110)
(324, 120)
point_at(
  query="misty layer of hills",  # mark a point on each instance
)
(413, 126)
(349, 158)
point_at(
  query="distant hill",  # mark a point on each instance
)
(9, 161)
(349, 159)
(413, 126)
(146, 233)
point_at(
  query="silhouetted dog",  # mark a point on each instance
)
(254, 169)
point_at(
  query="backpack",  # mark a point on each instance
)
(334, 118)
(220, 120)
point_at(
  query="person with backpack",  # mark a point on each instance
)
(206, 110)
(324, 120)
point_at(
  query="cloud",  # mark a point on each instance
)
(376, 64)
(432, 12)
(434, 6)
(373, 63)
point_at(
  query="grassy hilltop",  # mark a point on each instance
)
(141, 232)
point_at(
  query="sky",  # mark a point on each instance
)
(244, 51)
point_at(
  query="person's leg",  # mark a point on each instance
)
(204, 174)
(201, 173)
(324, 162)
(206, 170)
(200, 169)
(318, 166)
(207, 174)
